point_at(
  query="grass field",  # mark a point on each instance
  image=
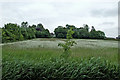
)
(41, 50)
(46, 48)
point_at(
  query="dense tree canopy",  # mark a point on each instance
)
(80, 33)
(14, 32)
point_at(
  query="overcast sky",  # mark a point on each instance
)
(102, 14)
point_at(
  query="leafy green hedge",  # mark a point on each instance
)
(60, 69)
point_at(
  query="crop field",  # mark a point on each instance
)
(41, 52)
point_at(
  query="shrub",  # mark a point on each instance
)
(68, 44)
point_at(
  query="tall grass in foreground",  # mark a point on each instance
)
(60, 69)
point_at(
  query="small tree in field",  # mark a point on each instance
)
(68, 43)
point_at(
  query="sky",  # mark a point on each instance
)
(102, 14)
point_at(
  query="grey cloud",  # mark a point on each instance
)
(107, 23)
(111, 12)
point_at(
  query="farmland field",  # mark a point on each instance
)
(44, 50)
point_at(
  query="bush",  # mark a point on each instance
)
(60, 69)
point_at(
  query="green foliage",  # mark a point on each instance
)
(70, 33)
(61, 35)
(42, 32)
(7, 36)
(97, 35)
(60, 32)
(31, 33)
(70, 26)
(24, 32)
(60, 69)
(79, 33)
(24, 24)
(13, 32)
(68, 43)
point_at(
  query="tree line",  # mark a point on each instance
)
(79, 33)
(13, 32)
